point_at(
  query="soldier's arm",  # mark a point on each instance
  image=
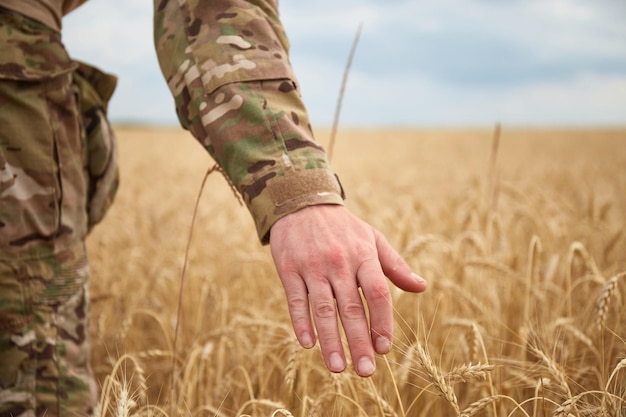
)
(227, 66)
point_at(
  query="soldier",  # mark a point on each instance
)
(227, 66)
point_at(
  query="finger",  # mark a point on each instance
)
(298, 303)
(325, 318)
(376, 293)
(396, 268)
(356, 327)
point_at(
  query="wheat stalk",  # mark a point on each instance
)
(182, 285)
(465, 295)
(282, 411)
(492, 195)
(612, 242)
(407, 363)
(437, 378)
(604, 300)
(125, 401)
(473, 239)
(261, 402)
(465, 372)
(395, 388)
(566, 323)
(344, 82)
(291, 370)
(486, 263)
(554, 369)
(474, 342)
(621, 364)
(477, 406)
(523, 334)
(577, 247)
(564, 409)
(385, 408)
(418, 244)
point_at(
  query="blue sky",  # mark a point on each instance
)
(419, 63)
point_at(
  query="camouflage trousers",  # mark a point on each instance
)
(46, 186)
(44, 354)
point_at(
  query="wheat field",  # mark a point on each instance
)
(522, 240)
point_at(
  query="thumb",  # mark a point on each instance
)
(396, 268)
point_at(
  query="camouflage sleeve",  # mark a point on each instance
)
(227, 66)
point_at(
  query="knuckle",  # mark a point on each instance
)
(325, 310)
(379, 293)
(287, 267)
(297, 304)
(364, 251)
(353, 311)
(337, 259)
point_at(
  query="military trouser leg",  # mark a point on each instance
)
(44, 355)
(44, 350)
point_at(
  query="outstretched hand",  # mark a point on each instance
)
(323, 254)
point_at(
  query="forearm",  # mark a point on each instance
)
(228, 69)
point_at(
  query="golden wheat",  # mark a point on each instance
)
(466, 372)
(515, 241)
(478, 406)
(436, 377)
(602, 305)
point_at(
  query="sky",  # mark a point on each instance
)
(449, 63)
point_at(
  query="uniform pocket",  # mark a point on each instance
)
(30, 190)
(227, 42)
(39, 127)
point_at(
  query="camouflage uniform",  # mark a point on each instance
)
(227, 66)
(57, 176)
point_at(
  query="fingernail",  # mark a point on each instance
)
(417, 277)
(306, 340)
(336, 362)
(366, 367)
(383, 345)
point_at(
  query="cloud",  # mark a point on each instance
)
(464, 62)
(418, 62)
(418, 100)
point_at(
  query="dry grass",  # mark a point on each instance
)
(523, 245)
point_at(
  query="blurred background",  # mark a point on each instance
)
(458, 63)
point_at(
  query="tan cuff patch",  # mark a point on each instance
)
(298, 189)
(290, 188)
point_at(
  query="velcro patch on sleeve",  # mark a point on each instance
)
(301, 185)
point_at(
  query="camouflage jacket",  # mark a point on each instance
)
(227, 66)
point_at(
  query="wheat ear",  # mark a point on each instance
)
(437, 378)
(604, 300)
(477, 406)
(554, 369)
(465, 372)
